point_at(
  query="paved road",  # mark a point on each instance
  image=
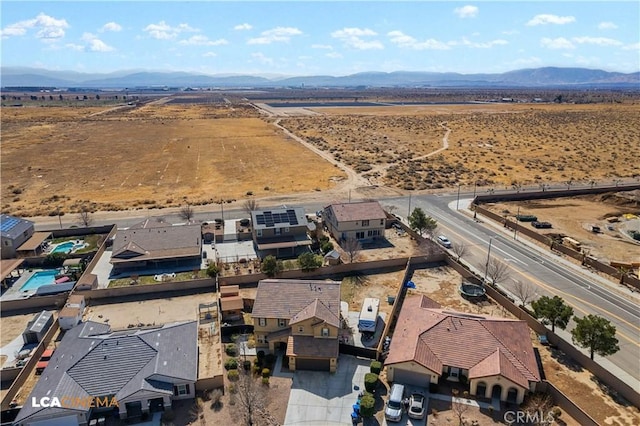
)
(551, 275)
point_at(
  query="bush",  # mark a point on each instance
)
(216, 398)
(370, 382)
(326, 247)
(256, 369)
(54, 260)
(260, 355)
(265, 381)
(309, 261)
(231, 364)
(367, 405)
(266, 372)
(271, 266)
(231, 349)
(246, 365)
(375, 367)
(232, 388)
(233, 375)
(213, 270)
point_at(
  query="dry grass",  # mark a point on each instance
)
(153, 156)
(491, 144)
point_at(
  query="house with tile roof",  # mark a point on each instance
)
(96, 371)
(301, 318)
(154, 243)
(493, 355)
(281, 232)
(364, 221)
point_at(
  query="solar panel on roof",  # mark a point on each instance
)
(260, 219)
(268, 219)
(9, 224)
(293, 219)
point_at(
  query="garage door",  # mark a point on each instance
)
(312, 364)
(407, 377)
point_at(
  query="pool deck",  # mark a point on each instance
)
(14, 293)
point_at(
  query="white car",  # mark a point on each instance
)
(444, 241)
(416, 406)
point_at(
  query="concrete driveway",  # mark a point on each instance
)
(323, 399)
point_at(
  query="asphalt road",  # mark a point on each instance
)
(551, 275)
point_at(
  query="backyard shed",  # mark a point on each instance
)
(71, 314)
(37, 327)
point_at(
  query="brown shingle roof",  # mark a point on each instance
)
(437, 337)
(156, 240)
(231, 303)
(347, 212)
(319, 310)
(229, 290)
(286, 298)
(310, 347)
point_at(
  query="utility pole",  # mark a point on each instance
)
(222, 208)
(515, 225)
(409, 210)
(458, 199)
(486, 266)
(475, 187)
(59, 217)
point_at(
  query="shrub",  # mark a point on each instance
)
(54, 260)
(256, 369)
(370, 381)
(213, 270)
(216, 398)
(271, 266)
(463, 380)
(326, 247)
(233, 375)
(265, 381)
(231, 349)
(260, 355)
(232, 388)
(246, 365)
(375, 367)
(309, 261)
(231, 364)
(266, 372)
(367, 406)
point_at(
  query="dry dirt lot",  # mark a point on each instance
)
(12, 327)
(492, 144)
(157, 155)
(574, 217)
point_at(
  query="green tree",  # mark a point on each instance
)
(213, 270)
(596, 334)
(552, 311)
(271, 266)
(309, 261)
(421, 223)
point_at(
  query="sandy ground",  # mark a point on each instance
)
(13, 326)
(574, 217)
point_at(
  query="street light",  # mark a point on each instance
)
(59, 217)
(458, 200)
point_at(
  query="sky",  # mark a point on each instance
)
(320, 37)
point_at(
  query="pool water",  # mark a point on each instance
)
(38, 279)
(64, 247)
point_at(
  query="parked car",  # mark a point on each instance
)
(44, 360)
(417, 409)
(539, 225)
(444, 241)
(393, 410)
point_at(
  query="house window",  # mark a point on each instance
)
(282, 322)
(179, 390)
(360, 235)
(301, 329)
(373, 232)
(381, 222)
(325, 332)
(286, 230)
(6, 242)
(262, 322)
(261, 339)
(365, 223)
(259, 232)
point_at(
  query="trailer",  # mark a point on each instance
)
(369, 315)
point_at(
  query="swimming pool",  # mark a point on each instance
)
(38, 279)
(64, 247)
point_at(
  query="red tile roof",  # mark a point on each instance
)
(348, 212)
(436, 337)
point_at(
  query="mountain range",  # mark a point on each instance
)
(532, 77)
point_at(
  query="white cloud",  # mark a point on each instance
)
(634, 46)
(478, 45)
(48, 28)
(95, 44)
(278, 34)
(201, 40)
(322, 46)
(545, 19)
(209, 55)
(607, 26)
(511, 32)
(111, 26)
(466, 11)
(164, 31)
(333, 55)
(352, 37)
(243, 27)
(261, 58)
(533, 60)
(76, 47)
(403, 40)
(599, 41)
(556, 43)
